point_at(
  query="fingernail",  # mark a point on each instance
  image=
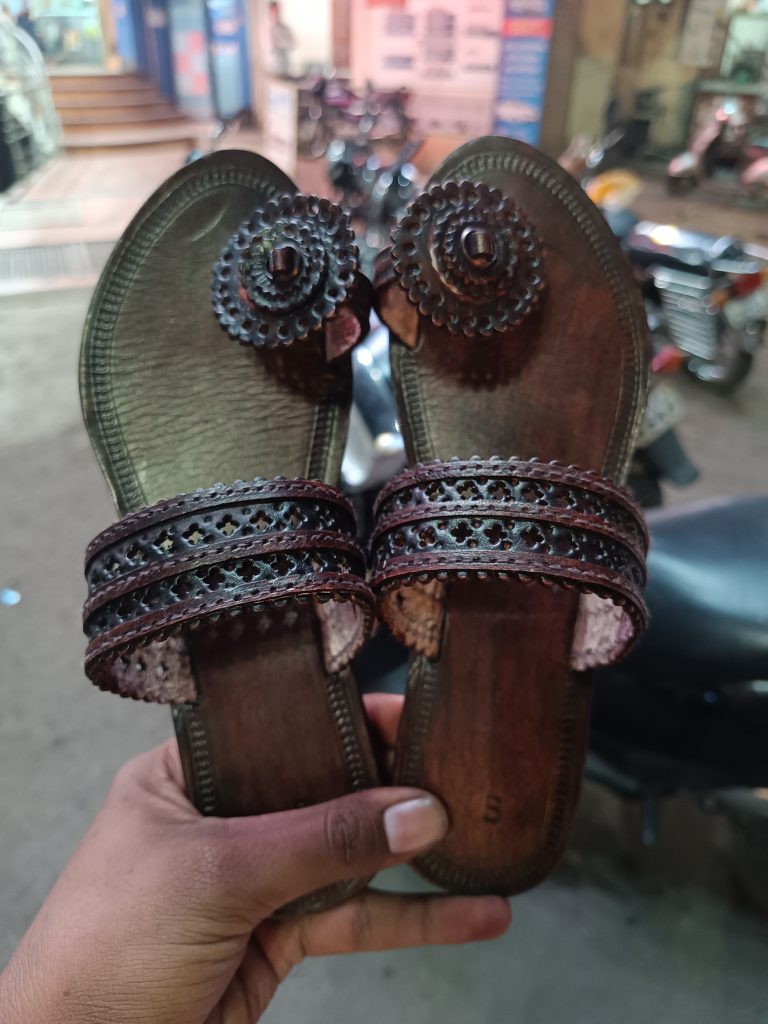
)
(414, 824)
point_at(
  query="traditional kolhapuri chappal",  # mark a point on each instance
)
(507, 555)
(233, 586)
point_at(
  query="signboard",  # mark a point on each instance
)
(525, 36)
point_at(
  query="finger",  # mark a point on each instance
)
(276, 858)
(377, 921)
(384, 711)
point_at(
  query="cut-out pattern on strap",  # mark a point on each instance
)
(512, 519)
(200, 560)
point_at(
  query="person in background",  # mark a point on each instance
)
(281, 40)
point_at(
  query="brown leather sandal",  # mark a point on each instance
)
(515, 326)
(241, 604)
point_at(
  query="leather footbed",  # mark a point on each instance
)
(496, 724)
(172, 404)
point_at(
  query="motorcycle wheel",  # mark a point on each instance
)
(732, 365)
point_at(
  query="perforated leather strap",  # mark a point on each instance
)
(200, 560)
(510, 519)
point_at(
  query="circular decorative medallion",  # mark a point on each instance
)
(285, 271)
(468, 258)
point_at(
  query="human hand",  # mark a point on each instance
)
(162, 915)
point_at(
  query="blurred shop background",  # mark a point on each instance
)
(361, 99)
(545, 71)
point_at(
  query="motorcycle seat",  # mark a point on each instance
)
(707, 593)
(664, 245)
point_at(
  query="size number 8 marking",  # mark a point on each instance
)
(492, 814)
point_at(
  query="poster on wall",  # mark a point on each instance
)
(451, 42)
(522, 81)
(446, 52)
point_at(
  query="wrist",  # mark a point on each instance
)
(27, 992)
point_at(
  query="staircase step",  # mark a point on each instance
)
(108, 112)
(98, 83)
(137, 95)
(110, 104)
(81, 71)
(187, 134)
(99, 121)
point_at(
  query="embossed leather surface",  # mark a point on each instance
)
(496, 715)
(170, 401)
(210, 556)
(513, 520)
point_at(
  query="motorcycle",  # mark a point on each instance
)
(386, 114)
(372, 192)
(703, 293)
(687, 711)
(329, 109)
(722, 142)
(706, 294)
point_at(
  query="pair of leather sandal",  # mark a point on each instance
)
(234, 587)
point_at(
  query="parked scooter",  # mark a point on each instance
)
(722, 142)
(387, 114)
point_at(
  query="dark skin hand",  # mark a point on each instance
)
(163, 916)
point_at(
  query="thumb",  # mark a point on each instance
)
(274, 859)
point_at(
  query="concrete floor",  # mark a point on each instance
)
(618, 933)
